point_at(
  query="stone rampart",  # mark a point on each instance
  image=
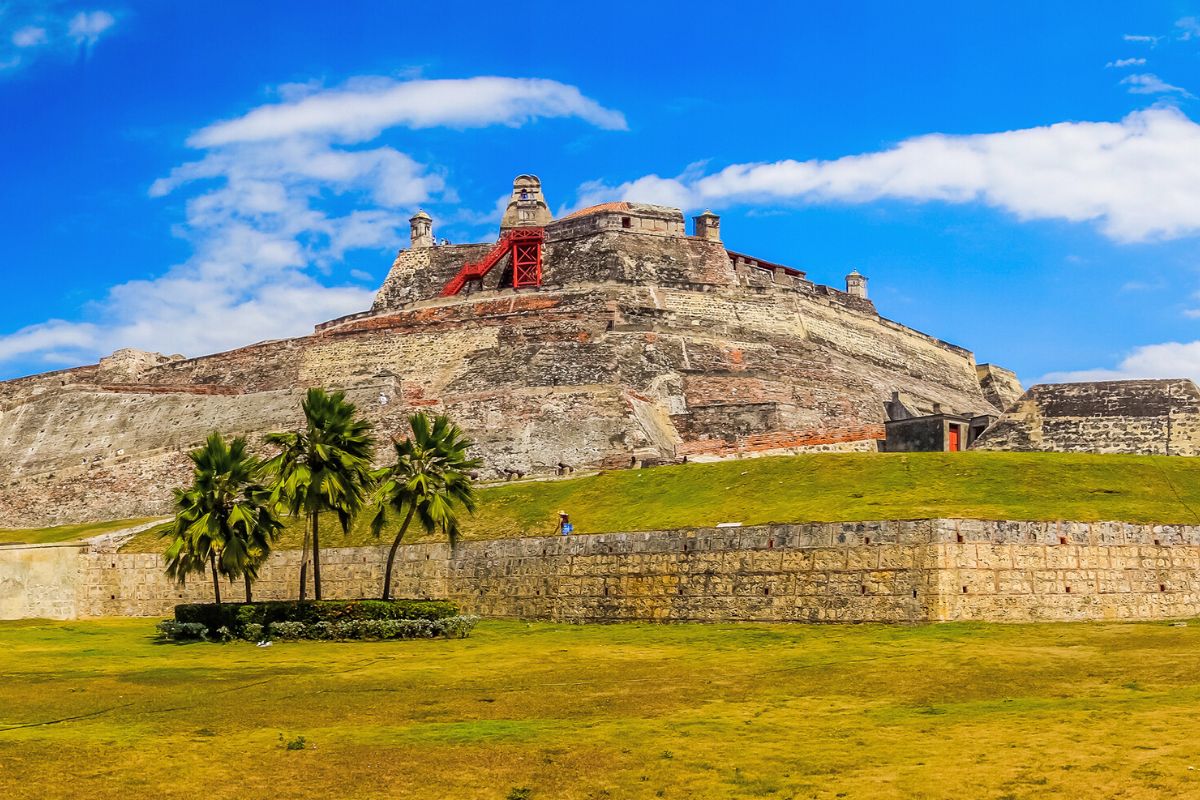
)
(1146, 417)
(886, 571)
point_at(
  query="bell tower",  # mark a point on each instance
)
(421, 230)
(527, 207)
(856, 284)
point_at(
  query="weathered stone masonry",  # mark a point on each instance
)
(889, 571)
(641, 345)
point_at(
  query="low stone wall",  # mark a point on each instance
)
(40, 580)
(887, 571)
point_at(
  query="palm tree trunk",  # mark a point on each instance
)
(246, 575)
(304, 568)
(316, 557)
(387, 574)
(212, 559)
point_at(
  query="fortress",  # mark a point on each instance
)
(607, 338)
(610, 338)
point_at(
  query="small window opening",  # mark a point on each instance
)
(959, 538)
(964, 590)
(626, 222)
(1068, 590)
(1162, 587)
(766, 590)
(914, 593)
(862, 590)
(770, 544)
(866, 540)
(1156, 542)
(606, 591)
(1062, 540)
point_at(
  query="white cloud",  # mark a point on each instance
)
(275, 204)
(33, 28)
(1121, 63)
(1166, 360)
(362, 109)
(86, 27)
(1138, 179)
(30, 36)
(1150, 40)
(1187, 28)
(1148, 83)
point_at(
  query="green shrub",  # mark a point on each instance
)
(236, 616)
(328, 620)
(450, 628)
(457, 627)
(288, 630)
(181, 631)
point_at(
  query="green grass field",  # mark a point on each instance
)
(829, 487)
(65, 533)
(98, 710)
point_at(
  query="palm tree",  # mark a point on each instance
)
(324, 467)
(224, 520)
(431, 473)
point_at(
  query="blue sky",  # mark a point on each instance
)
(189, 177)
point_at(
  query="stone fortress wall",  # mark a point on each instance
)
(641, 346)
(1151, 417)
(888, 571)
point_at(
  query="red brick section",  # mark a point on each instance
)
(780, 440)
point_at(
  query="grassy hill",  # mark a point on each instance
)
(829, 487)
(65, 533)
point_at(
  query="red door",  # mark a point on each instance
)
(953, 448)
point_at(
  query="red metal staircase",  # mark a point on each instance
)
(525, 244)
